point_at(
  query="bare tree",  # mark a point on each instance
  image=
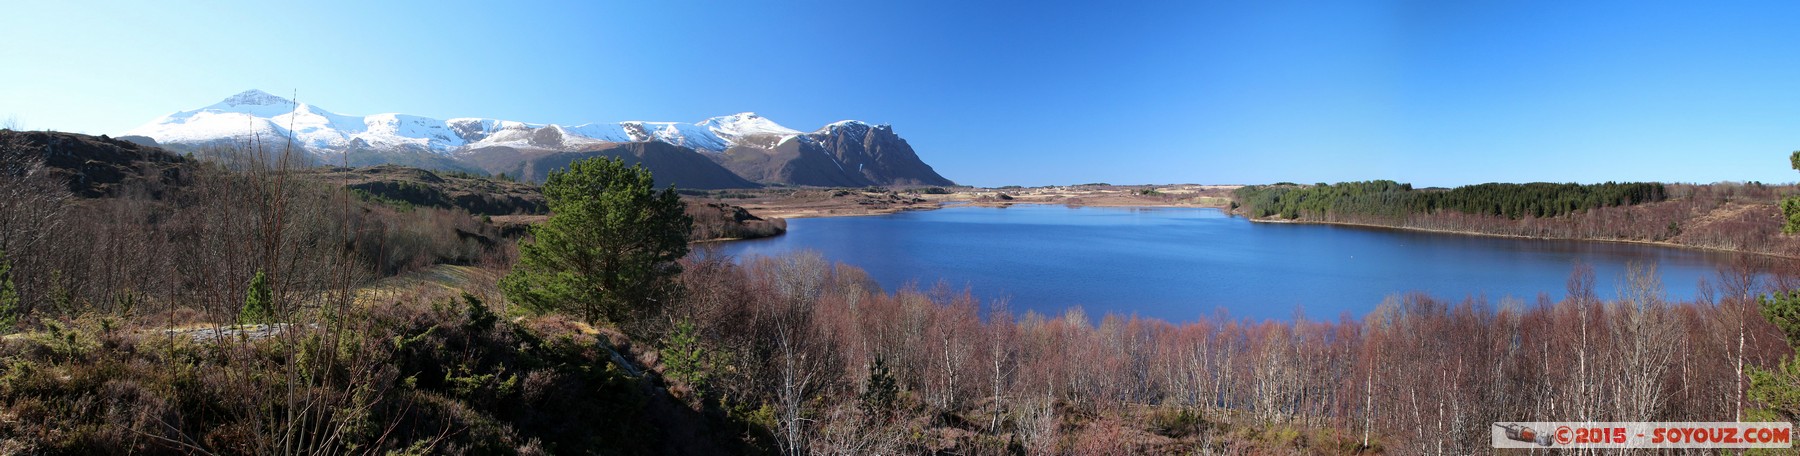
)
(1002, 357)
(1642, 332)
(32, 218)
(798, 280)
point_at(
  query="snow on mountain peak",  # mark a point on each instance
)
(854, 130)
(258, 114)
(854, 126)
(845, 123)
(254, 97)
(745, 123)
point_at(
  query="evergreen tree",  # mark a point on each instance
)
(608, 251)
(686, 359)
(879, 392)
(1790, 206)
(256, 302)
(1394, 200)
(1779, 389)
(479, 318)
(9, 297)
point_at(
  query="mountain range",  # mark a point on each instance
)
(735, 151)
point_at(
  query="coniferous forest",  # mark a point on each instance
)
(1389, 199)
(1726, 216)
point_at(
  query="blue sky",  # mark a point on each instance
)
(996, 93)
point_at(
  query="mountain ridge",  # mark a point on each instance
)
(878, 156)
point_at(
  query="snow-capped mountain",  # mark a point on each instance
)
(255, 114)
(747, 144)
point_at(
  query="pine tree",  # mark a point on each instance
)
(879, 392)
(256, 302)
(609, 250)
(1790, 206)
(9, 297)
(479, 318)
(686, 359)
(1778, 390)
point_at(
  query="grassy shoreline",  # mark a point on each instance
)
(970, 202)
(1516, 236)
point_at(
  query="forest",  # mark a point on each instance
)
(1389, 199)
(171, 306)
(1729, 216)
(1418, 375)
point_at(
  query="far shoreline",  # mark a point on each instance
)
(1515, 236)
(991, 203)
(813, 202)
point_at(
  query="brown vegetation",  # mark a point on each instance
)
(791, 354)
(426, 373)
(838, 202)
(106, 286)
(713, 221)
(1103, 195)
(512, 205)
(720, 221)
(129, 339)
(441, 189)
(1418, 375)
(820, 202)
(1739, 217)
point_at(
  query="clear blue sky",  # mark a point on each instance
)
(995, 93)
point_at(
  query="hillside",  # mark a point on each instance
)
(95, 166)
(100, 167)
(126, 336)
(515, 205)
(672, 165)
(1729, 216)
(420, 187)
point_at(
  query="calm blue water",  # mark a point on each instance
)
(1181, 263)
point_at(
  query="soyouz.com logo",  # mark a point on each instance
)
(1642, 434)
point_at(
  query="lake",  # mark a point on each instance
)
(1182, 263)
